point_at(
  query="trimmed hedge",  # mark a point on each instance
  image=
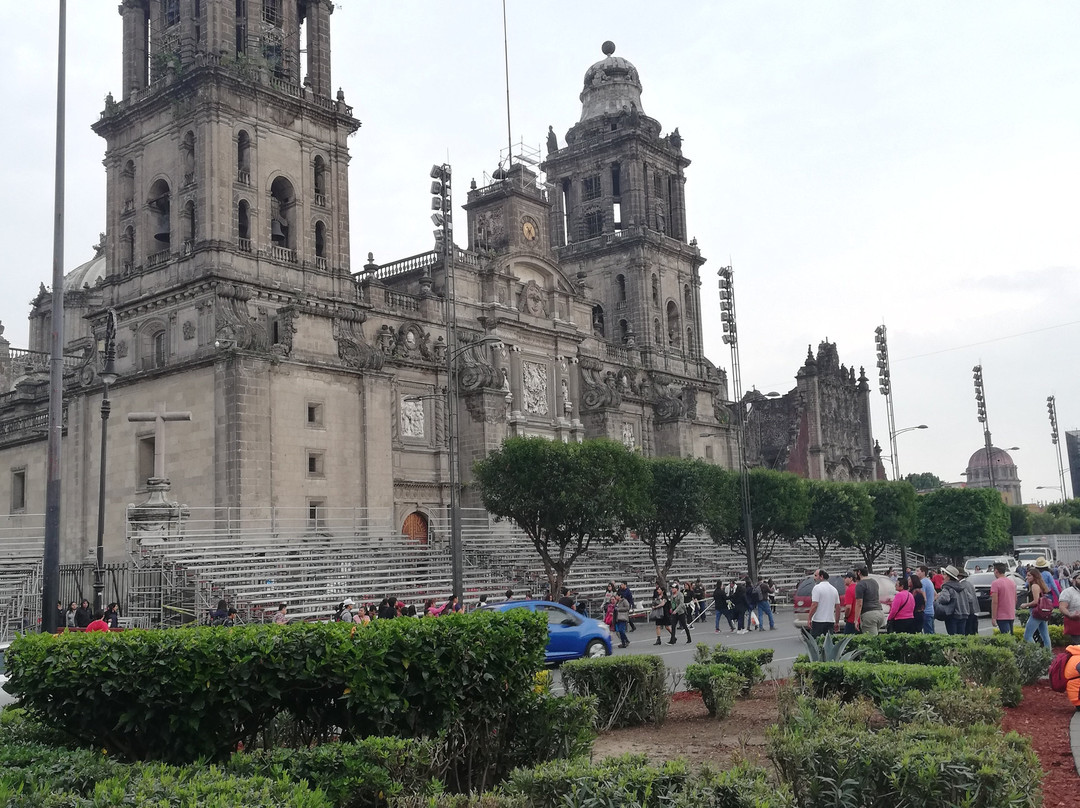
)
(917, 649)
(629, 690)
(631, 781)
(929, 766)
(955, 708)
(991, 666)
(719, 686)
(749, 663)
(878, 681)
(179, 695)
(1057, 635)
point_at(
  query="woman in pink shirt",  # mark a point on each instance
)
(902, 611)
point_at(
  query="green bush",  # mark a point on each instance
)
(181, 695)
(629, 690)
(1057, 635)
(877, 681)
(929, 766)
(749, 663)
(911, 649)
(1056, 617)
(631, 782)
(1032, 661)
(990, 666)
(964, 707)
(719, 686)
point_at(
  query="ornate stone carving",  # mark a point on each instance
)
(121, 349)
(595, 394)
(475, 369)
(490, 228)
(234, 321)
(412, 342)
(353, 349)
(531, 300)
(628, 439)
(286, 318)
(189, 330)
(412, 418)
(668, 402)
(534, 380)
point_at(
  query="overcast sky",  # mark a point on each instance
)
(915, 163)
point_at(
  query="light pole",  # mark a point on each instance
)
(1051, 408)
(443, 218)
(108, 378)
(980, 403)
(885, 388)
(731, 337)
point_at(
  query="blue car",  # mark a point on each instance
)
(570, 635)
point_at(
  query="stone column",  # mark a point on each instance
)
(135, 46)
(318, 46)
(515, 381)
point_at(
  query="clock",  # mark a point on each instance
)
(528, 230)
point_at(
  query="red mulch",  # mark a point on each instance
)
(1044, 717)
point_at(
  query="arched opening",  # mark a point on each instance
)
(658, 335)
(674, 324)
(243, 158)
(243, 225)
(655, 290)
(189, 227)
(620, 288)
(689, 340)
(687, 300)
(320, 181)
(154, 347)
(624, 331)
(187, 149)
(127, 186)
(598, 320)
(416, 527)
(282, 212)
(161, 223)
(320, 245)
(128, 248)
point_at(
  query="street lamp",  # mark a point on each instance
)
(907, 429)
(731, 338)
(108, 378)
(1051, 408)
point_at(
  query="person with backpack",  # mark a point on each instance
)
(1065, 674)
(1050, 583)
(344, 613)
(1069, 604)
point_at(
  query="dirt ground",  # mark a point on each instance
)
(689, 733)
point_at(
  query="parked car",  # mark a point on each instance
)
(982, 580)
(570, 635)
(5, 697)
(801, 598)
(986, 563)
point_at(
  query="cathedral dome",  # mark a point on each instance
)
(999, 456)
(611, 86)
(87, 274)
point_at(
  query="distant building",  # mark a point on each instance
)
(821, 428)
(1072, 451)
(1005, 477)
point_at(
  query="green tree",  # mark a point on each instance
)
(1019, 520)
(962, 522)
(924, 481)
(893, 522)
(841, 514)
(564, 496)
(779, 508)
(1049, 523)
(678, 493)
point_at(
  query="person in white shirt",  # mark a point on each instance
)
(824, 606)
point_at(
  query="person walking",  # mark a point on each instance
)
(69, 616)
(902, 612)
(112, 615)
(824, 616)
(660, 610)
(624, 591)
(738, 604)
(1036, 589)
(868, 615)
(753, 596)
(1003, 599)
(952, 605)
(84, 615)
(764, 606)
(720, 606)
(678, 614)
(848, 603)
(929, 592)
(281, 616)
(622, 615)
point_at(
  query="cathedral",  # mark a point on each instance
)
(261, 372)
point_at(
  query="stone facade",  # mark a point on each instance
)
(821, 428)
(312, 387)
(1006, 477)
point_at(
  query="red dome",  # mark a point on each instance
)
(1000, 458)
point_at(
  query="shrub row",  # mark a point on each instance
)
(749, 663)
(629, 690)
(965, 707)
(991, 666)
(877, 681)
(1057, 635)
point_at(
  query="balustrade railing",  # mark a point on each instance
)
(283, 254)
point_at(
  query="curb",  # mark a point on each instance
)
(1074, 739)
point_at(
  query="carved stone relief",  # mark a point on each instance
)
(628, 439)
(412, 418)
(353, 348)
(234, 321)
(595, 393)
(531, 300)
(189, 329)
(535, 387)
(475, 368)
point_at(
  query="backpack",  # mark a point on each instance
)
(1057, 672)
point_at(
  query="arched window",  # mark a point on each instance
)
(243, 225)
(159, 205)
(320, 181)
(243, 158)
(282, 214)
(674, 323)
(687, 307)
(620, 288)
(624, 331)
(598, 320)
(127, 186)
(320, 244)
(153, 346)
(655, 290)
(187, 150)
(658, 334)
(128, 249)
(689, 340)
(189, 227)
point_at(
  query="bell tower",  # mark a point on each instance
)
(227, 155)
(619, 220)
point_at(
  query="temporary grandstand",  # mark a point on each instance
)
(180, 568)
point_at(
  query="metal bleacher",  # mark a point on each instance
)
(22, 544)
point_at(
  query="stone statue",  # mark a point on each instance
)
(552, 142)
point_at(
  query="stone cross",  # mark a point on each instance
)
(159, 417)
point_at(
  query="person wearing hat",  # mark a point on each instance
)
(1069, 603)
(954, 603)
(868, 616)
(1045, 570)
(345, 611)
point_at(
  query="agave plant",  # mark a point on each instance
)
(829, 651)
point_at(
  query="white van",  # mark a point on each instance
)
(986, 563)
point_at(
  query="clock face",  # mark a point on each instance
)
(528, 230)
